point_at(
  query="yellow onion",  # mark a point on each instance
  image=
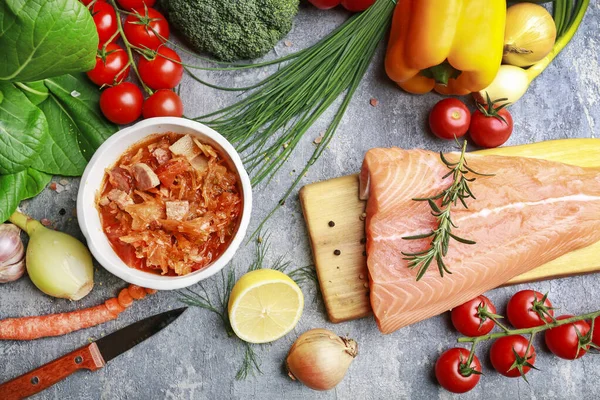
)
(319, 358)
(57, 263)
(529, 36)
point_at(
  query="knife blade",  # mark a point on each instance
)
(91, 357)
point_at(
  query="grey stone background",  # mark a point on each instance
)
(194, 359)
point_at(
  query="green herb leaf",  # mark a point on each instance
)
(45, 38)
(36, 92)
(18, 186)
(79, 101)
(22, 125)
(35, 182)
(60, 154)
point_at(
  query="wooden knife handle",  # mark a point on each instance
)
(87, 357)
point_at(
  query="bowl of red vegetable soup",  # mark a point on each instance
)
(164, 203)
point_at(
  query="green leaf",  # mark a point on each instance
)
(36, 92)
(22, 125)
(79, 100)
(35, 182)
(45, 38)
(16, 187)
(60, 154)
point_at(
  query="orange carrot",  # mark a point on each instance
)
(137, 292)
(30, 328)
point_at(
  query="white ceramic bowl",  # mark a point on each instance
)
(107, 155)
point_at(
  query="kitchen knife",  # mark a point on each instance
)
(92, 356)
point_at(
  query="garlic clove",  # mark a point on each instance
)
(11, 246)
(12, 272)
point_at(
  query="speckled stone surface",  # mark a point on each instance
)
(194, 359)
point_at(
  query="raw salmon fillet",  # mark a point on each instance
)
(529, 213)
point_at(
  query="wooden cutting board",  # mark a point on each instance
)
(335, 220)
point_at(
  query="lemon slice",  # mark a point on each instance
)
(264, 305)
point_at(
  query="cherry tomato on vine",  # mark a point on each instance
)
(105, 19)
(502, 355)
(524, 309)
(470, 318)
(325, 4)
(357, 5)
(147, 28)
(452, 372)
(160, 72)
(122, 104)
(449, 118)
(163, 103)
(564, 341)
(111, 65)
(491, 125)
(133, 4)
(87, 2)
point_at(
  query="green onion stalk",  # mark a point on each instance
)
(267, 125)
(512, 82)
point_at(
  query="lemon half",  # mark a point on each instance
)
(264, 306)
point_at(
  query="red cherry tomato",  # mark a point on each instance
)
(466, 318)
(325, 4)
(133, 4)
(452, 372)
(564, 341)
(122, 104)
(111, 66)
(490, 131)
(161, 72)
(105, 19)
(163, 103)
(147, 28)
(449, 118)
(521, 309)
(503, 356)
(87, 2)
(596, 333)
(357, 5)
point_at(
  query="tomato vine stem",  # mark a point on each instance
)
(530, 331)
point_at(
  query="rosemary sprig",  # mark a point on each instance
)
(457, 192)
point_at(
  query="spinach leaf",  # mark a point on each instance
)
(60, 154)
(18, 186)
(22, 126)
(35, 182)
(45, 38)
(36, 92)
(79, 100)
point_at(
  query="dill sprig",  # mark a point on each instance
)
(250, 364)
(219, 306)
(457, 192)
(218, 303)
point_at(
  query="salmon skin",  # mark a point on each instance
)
(528, 213)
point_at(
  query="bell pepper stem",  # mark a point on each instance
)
(441, 73)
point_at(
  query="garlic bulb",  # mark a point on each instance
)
(319, 358)
(12, 253)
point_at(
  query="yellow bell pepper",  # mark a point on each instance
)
(454, 46)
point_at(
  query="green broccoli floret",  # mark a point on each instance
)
(231, 29)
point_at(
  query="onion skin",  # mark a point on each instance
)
(319, 358)
(529, 36)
